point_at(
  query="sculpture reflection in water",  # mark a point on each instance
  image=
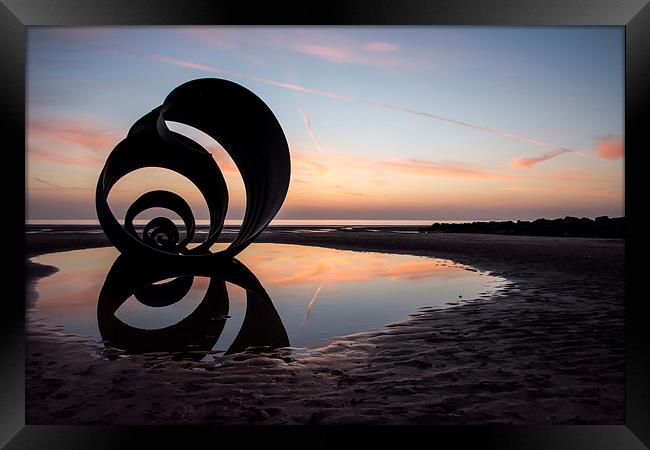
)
(197, 334)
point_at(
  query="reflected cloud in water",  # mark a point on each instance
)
(162, 284)
(319, 293)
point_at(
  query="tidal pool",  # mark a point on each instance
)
(311, 294)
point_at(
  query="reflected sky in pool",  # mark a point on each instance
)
(319, 293)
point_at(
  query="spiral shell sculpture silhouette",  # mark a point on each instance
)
(243, 125)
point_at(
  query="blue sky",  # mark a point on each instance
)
(357, 106)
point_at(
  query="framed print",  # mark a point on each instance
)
(400, 221)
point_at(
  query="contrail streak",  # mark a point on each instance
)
(309, 307)
(347, 98)
(309, 129)
(40, 180)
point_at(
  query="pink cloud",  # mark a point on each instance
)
(419, 167)
(39, 154)
(306, 164)
(385, 47)
(78, 132)
(611, 147)
(325, 52)
(526, 163)
(378, 54)
(326, 45)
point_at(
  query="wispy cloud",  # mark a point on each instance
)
(39, 154)
(527, 163)
(305, 165)
(78, 132)
(429, 168)
(611, 147)
(383, 47)
(325, 52)
(323, 45)
(305, 118)
(347, 98)
(340, 48)
(332, 163)
(372, 53)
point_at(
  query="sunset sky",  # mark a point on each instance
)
(426, 123)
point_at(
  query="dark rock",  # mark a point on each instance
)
(601, 227)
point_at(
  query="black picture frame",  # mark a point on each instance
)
(634, 15)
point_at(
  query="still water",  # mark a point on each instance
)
(298, 296)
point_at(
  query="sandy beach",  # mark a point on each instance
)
(548, 348)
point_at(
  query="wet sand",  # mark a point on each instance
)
(549, 348)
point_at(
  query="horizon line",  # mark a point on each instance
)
(235, 222)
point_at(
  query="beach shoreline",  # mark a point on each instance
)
(548, 348)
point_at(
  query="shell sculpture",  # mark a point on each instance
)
(246, 129)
